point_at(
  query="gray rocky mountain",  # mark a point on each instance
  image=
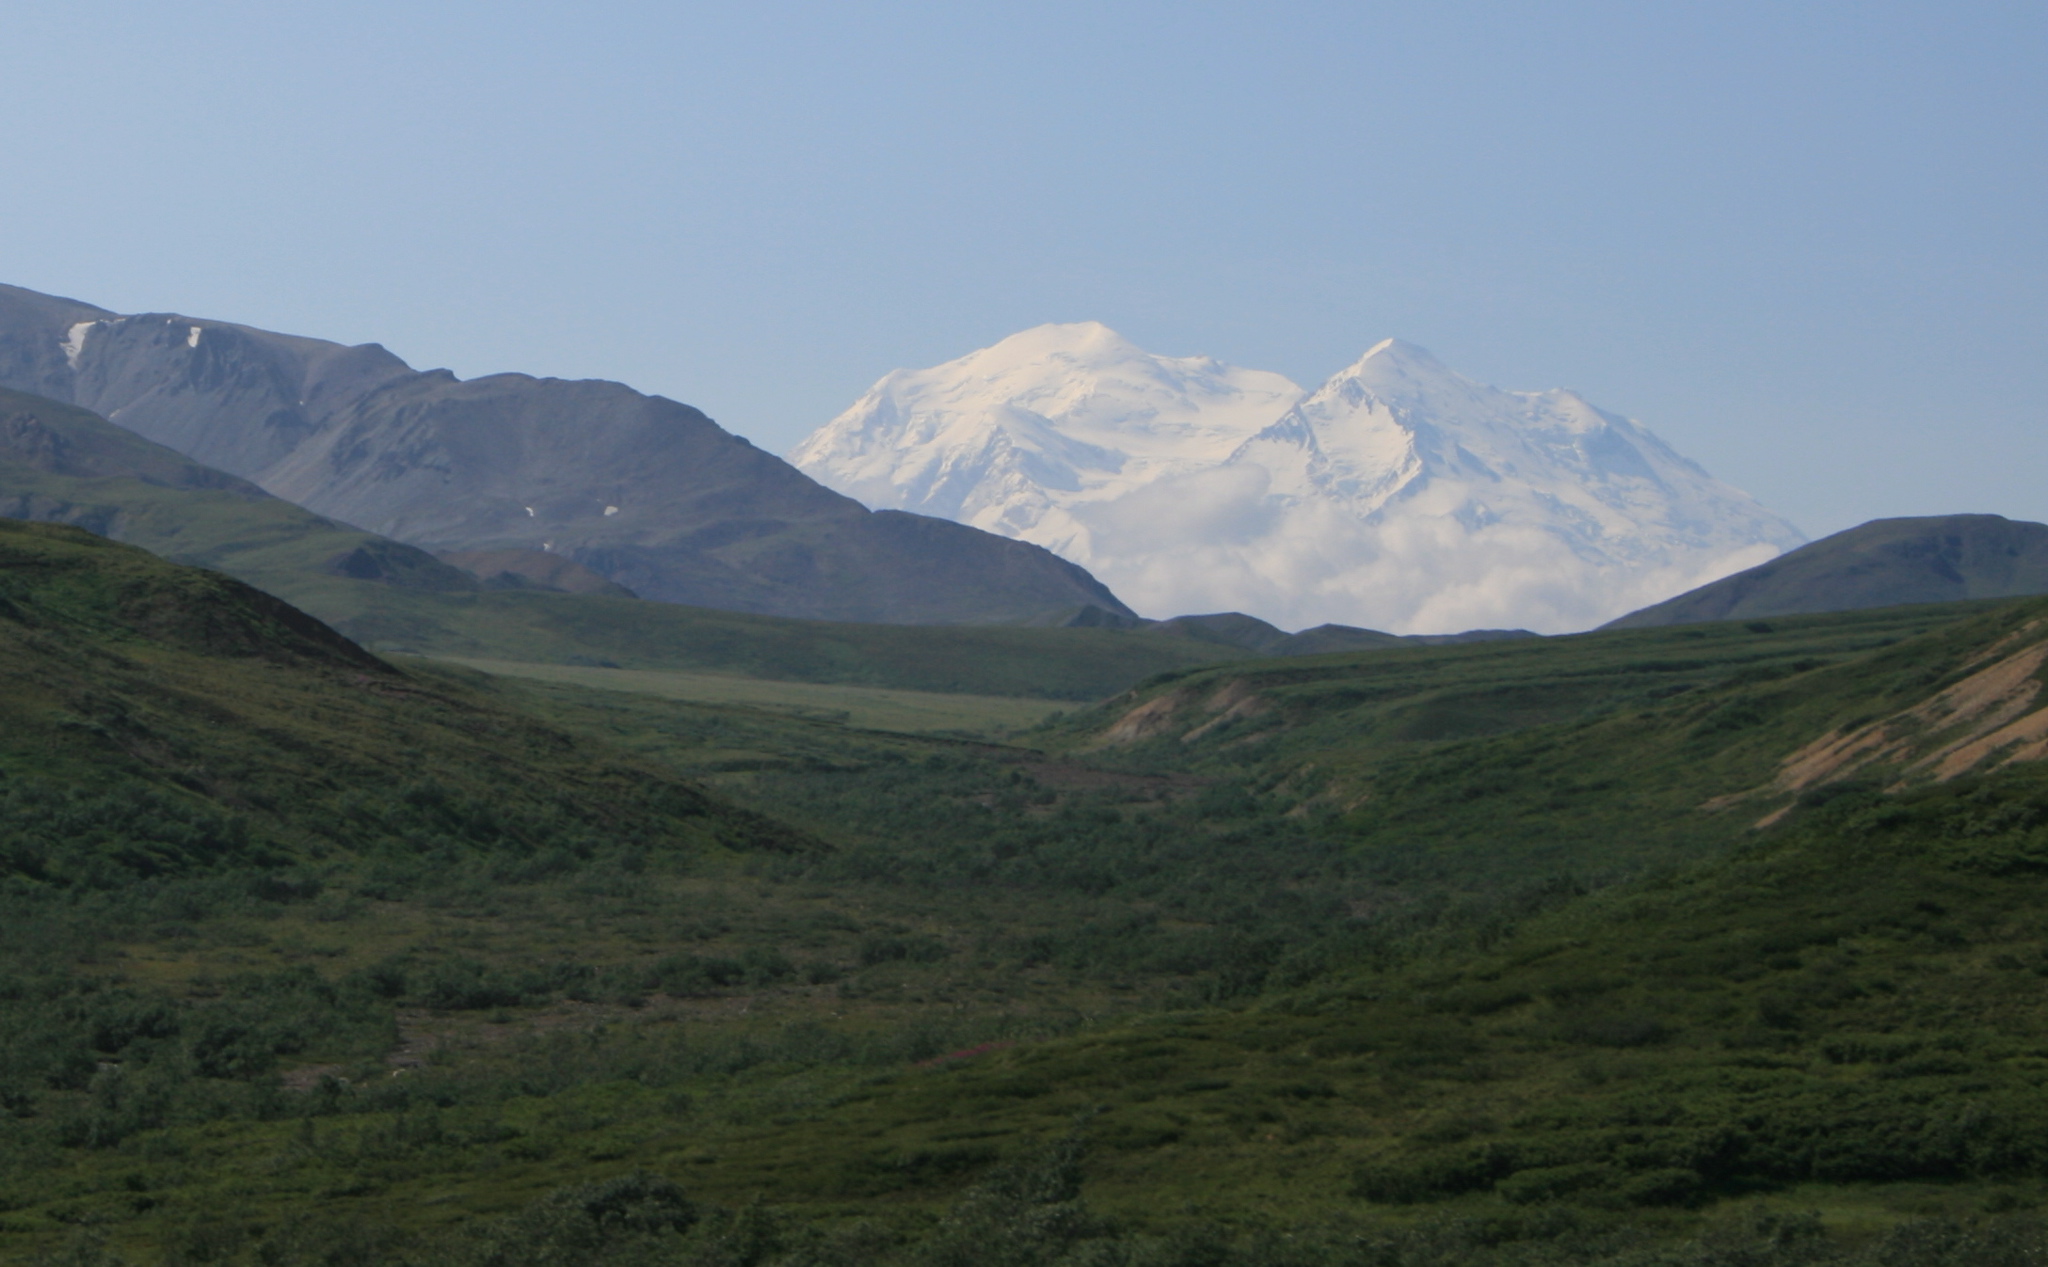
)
(645, 492)
(1884, 563)
(1249, 633)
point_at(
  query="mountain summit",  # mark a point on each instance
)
(1012, 438)
(1398, 495)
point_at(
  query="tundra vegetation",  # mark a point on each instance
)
(1719, 944)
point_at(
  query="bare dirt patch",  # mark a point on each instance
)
(1989, 714)
(1161, 715)
(1148, 720)
(1233, 703)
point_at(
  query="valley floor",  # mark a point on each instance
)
(862, 707)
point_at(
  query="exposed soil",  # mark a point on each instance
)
(1989, 714)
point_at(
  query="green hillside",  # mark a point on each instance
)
(261, 737)
(68, 465)
(1708, 946)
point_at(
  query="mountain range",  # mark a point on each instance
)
(1398, 495)
(645, 492)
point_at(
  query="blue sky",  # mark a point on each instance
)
(1806, 243)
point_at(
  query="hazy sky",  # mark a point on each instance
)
(1803, 242)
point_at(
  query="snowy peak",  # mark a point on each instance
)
(1397, 495)
(1078, 342)
(1398, 373)
(1398, 416)
(1072, 409)
(1085, 377)
(1393, 361)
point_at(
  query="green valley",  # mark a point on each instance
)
(1715, 944)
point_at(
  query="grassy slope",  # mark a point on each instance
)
(1851, 973)
(1847, 1012)
(125, 671)
(209, 794)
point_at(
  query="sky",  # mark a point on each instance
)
(1805, 243)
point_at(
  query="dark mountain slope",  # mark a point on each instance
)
(42, 435)
(533, 569)
(1884, 563)
(62, 464)
(647, 492)
(1254, 636)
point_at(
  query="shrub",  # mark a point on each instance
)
(1441, 1174)
(1548, 1183)
(685, 976)
(465, 985)
(918, 949)
(228, 1047)
(1664, 1186)
(1619, 1029)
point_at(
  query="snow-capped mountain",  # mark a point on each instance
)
(1398, 495)
(1010, 437)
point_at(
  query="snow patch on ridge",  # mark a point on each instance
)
(1398, 495)
(74, 342)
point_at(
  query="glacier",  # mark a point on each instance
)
(1398, 495)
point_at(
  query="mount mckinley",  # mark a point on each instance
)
(1398, 495)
